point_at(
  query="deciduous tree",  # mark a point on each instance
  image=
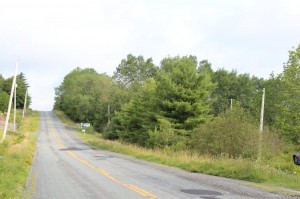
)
(288, 119)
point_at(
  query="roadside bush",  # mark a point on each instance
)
(234, 134)
(271, 144)
(165, 137)
(19, 139)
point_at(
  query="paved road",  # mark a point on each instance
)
(66, 168)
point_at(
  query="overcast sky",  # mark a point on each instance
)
(53, 37)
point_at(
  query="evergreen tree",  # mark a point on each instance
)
(138, 117)
(184, 94)
(22, 87)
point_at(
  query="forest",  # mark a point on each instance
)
(5, 88)
(183, 104)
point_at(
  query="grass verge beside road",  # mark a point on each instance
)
(16, 154)
(242, 169)
(277, 171)
(64, 119)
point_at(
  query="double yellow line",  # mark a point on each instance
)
(99, 170)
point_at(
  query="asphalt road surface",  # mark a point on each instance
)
(66, 168)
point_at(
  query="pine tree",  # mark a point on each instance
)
(138, 117)
(184, 93)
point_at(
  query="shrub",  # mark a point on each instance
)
(165, 137)
(233, 133)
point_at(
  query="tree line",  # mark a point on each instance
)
(184, 104)
(5, 88)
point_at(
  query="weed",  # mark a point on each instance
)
(17, 152)
(287, 174)
(273, 169)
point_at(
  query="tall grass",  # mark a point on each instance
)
(277, 170)
(16, 154)
(65, 119)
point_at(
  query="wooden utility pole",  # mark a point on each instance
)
(24, 108)
(108, 115)
(261, 125)
(10, 102)
(15, 105)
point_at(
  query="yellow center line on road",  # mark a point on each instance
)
(99, 170)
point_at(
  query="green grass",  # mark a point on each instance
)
(242, 169)
(63, 118)
(274, 170)
(16, 153)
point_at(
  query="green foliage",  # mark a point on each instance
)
(240, 88)
(84, 96)
(134, 71)
(164, 137)
(19, 139)
(184, 94)
(1, 82)
(4, 99)
(21, 91)
(183, 107)
(179, 95)
(137, 117)
(16, 153)
(277, 170)
(273, 88)
(234, 134)
(5, 88)
(64, 118)
(75, 94)
(131, 75)
(288, 119)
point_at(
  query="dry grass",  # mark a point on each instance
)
(274, 170)
(63, 118)
(239, 168)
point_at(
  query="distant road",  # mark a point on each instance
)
(66, 168)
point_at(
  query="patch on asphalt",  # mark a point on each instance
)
(73, 149)
(102, 157)
(205, 194)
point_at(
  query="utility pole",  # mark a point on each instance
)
(15, 106)
(108, 115)
(230, 104)
(261, 123)
(24, 108)
(10, 101)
